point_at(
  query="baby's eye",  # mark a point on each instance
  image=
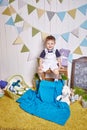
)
(48, 43)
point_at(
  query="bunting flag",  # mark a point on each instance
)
(30, 8)
(10, 1)
(7, 11)
(72, 13)
(18, 41)
(26, 25)
(24, 49)
(61, 15)
(44, 35)
(34, 31)
(40, 12)
(75, 32)
(78, 51)
(83, 9)
(4, 3)
(0, 1)
(65, 36)
(19, 29)
(12, 10)
(60, 1)
(50, 15)
(84, 43)
(70, 58)
(21, 3)
(18, 18)
(84, 25)
(10, 22)
(37, 1)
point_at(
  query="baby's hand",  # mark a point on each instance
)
(41, 67)
(61, 67)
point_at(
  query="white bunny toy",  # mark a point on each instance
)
(65, 95)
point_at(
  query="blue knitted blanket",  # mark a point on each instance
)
(42, 103)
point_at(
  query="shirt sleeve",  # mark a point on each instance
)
(57, 53)
(42, 55)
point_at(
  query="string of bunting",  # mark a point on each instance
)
(23, 25)
(40, 12)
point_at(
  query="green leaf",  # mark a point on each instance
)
(64, 77)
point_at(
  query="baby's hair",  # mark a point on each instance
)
(50, 38)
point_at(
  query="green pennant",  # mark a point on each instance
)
(34, 31)
(37, 1)
(18, 18)
(10, 1)
(24, 49)
(30, 8)
(60, 1)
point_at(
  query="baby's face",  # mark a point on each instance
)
(50, 44)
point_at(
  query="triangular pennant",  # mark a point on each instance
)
(0, 1)
(24, 49)
(61, 15)
(34, 31)
(44, 35)
(21, 4)
(72, 13)
(75, 32)
(19, 29)
(70, 58)
(4, 3)
(84, 25)
(10, 1)
(26, 25)
(30, 8)
(37, 1)
(10, 22)
(50, 15)
(60, 1)
(65, 36)
(84, 43)
(12, 10)
(7, 11)
(18, 18)
(83, 9)
(78, 51)
(19, 24)
(40, 12)
(18, 41)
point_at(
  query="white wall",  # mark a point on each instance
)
(12, 61)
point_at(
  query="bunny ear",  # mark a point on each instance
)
(69, 92)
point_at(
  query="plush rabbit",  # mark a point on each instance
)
(65, 95)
